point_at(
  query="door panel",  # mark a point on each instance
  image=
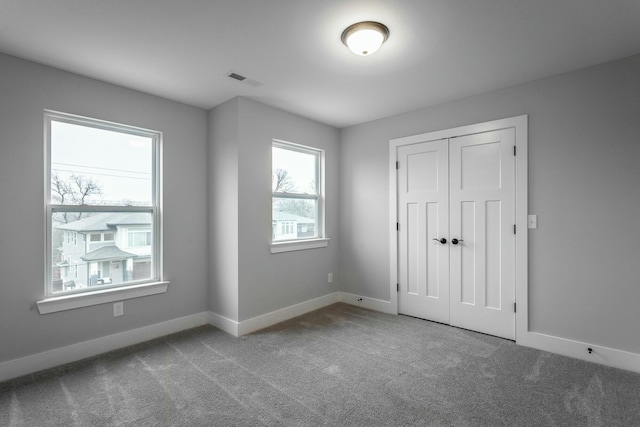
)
(493, 283)
(432, 252)
(422, 171)
(482, 215)
(414, 249)
(465, 275)
(480, 165)
(423, 214)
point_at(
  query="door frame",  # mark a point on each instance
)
(520, 124)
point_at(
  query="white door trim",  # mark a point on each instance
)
(521, 188)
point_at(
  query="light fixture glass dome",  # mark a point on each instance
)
(365, 38)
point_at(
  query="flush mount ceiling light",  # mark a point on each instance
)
(364, 38)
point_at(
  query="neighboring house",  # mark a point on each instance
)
(104, 248)
(285, 225)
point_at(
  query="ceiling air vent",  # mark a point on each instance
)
(243, 79)
(237, 76)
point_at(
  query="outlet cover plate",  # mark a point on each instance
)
(118, 308)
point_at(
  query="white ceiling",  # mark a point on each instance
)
(438, 50)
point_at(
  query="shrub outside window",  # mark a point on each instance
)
(102, 185)
(297, 209)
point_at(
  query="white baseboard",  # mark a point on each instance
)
(269, 319)
(71, 353)
(56, 357)
(223, 323)
(260, 322)
(579, 350)
(366, 302)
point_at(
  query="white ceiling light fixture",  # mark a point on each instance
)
(365, 38)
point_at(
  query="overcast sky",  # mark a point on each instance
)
(120, 163)
(300, 166)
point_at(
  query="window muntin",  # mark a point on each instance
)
(297, 193)
(102, 181)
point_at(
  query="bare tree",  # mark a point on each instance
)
(61, 194)
(76, 191)
(83, 188)
(281, 181)
(60, 190)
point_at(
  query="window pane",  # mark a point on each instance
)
(294, 219)
(86, 263)
(95, 166)
(293, 171)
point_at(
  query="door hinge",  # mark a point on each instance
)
(514, 229)
(397, 287)
(397, 226)
(397, 165)
(514, 150)
(514, 307)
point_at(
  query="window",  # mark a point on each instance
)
(100, 237)
(101, 176)
(287, 227)
(297, 186)
(139, 238)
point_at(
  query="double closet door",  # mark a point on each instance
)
(456, 243)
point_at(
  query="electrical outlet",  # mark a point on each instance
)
(118, 308)
(330, 278)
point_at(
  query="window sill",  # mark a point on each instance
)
(70, 302)
(298, 245)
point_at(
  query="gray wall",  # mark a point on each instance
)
(584, 183)
(584, 175)
(272, 281)
(223, 209)
(247, 279)
(25, 90)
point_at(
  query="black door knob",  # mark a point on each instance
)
(443, 240)
(456, 241)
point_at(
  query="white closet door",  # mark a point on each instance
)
(423, 215)
(482, 281)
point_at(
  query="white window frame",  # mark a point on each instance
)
(86, 297)
(321, 240)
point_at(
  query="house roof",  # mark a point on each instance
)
(107, 253)
(106, 221)
(286, 216)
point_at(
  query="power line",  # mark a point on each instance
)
(96, 167)
(103, 174)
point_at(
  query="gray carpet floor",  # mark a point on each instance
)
(338, 366)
